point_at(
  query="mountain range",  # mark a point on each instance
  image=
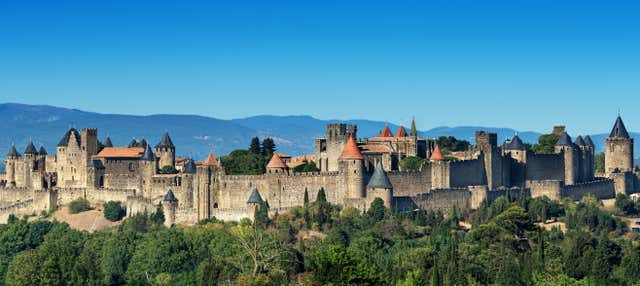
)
(196, 136)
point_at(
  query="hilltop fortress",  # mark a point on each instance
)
(353, 172)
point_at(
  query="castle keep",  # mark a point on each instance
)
(353, 172)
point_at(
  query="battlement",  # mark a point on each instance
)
(90, 131)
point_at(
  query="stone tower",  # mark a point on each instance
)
(565, 146)
(439, 170)
(516, 149)
(148, 165)
(352, 164)
(590, 148)
(496, 171)
(254, 201)
(618, 154)
(30, 164)
(169, 206)
(188, 178)
(337, 136)
(203, 185)
(10, 168)
(166, 151)
(379, 186)
(276, 165)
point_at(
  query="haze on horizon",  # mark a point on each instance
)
(513, 64)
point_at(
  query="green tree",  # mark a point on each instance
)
(626, 205)
(268, 147)
(243, 162)
(376, 210)
(546, 144)
(306, 167)
(254, 147)
(78, 206)
(24, 269)
(599, 162)
(261, 216)
(412, 163)
(113, 211)
(168, 169)
(158, 216)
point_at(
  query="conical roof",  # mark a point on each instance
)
(170, 197)
(165, 142)
(30, 149)
(436, 155)
(133, 143)
(42, 151)
(386, 132)
(190, 167)
(148, 154)
(515, 144)
(107, 142)
(254, 197)
(588, 141)
(401, 132)
(579, 141)
(379, 179)
(565, 140)
(211, 160)
(143, 143)
(619, 130)
(276, 162)
(64, 142)
(13, 152)
(413, 131)
(351, 151)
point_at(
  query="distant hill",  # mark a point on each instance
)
(198, 135)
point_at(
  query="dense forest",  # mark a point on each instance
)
(320, 243)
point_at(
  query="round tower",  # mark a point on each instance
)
(276, 165)
(10, 168)
(516, 149)
(166, 151)
(618, 154)
(169, 206)
(379, 186)
(352, 164)
(565, 146)
(254, 201)
(149, 166)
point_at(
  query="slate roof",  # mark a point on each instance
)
(565, 140)
(351, 150)
(619, 130)
(165, 142)
(133, 143)
(515, 144)
(413, 131)
(148, 154)
(189, 167)
(588, 141)
(30, 149)
(379, 179)
(107, 142)
(143, 143)
(170, 197)
(42, 151)
(579, 141)
(255, 197)
(64, 142)
(13, 152)
(96, 164)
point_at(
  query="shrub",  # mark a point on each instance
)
(78, 206)
(113, 211)
(168, 169)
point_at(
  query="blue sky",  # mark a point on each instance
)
(521, 64)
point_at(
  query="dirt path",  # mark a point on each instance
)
(90, 220)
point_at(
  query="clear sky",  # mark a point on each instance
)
(521, 64)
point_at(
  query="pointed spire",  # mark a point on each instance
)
(42, 151)
(170, 197)
(515, 144)
(588, 141)
(619, 130)
(211, 160)
(13, 152)
(107, 142)
(133, 143)
(254, 197)
(565, 140)
(351, 151)
(189, 167)
(148, 154)
(436, 155)
(276, 162)
(30, 150)
(401, 132)
(379, 179)
(64, 142)
(579, 141)
(165, 142)
(413, 132)
(386, 132)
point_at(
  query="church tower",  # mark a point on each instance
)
(618, 154)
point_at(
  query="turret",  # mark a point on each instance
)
(10, 168)
(169, 206)
(276, 165)
(107, 142)
(379, 186)
(166, 151)
(254, 201)
(401, 132)
(413, 131)
(565, 146)
(352, 164)
(618, 155)
(439, 170)
(386, 132)
(149, 167)
(516, 149)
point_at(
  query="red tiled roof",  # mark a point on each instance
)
(120, 152)
(436, 155)
(276, 162)
(401, 132)
(211, 160)
(351, 150)
(386, 132)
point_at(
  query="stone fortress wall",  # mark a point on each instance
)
(37, 181)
